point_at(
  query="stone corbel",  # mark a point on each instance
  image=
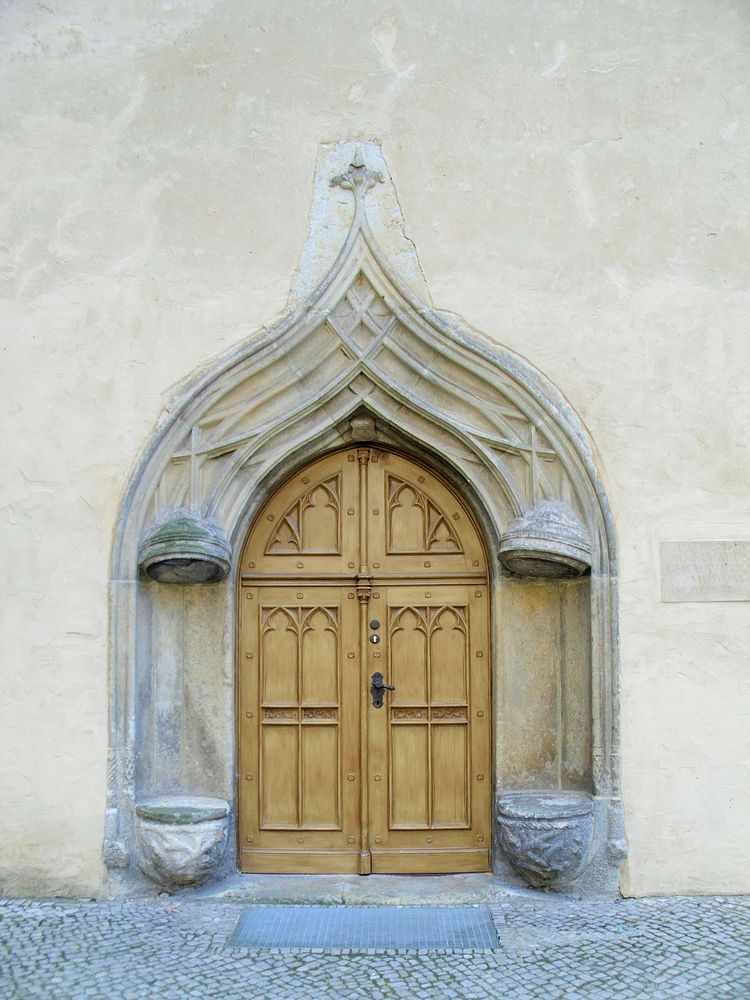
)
(185, 548)
(548, 541)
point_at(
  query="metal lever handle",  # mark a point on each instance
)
(377, 688)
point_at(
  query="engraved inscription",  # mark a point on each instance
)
(705, 571)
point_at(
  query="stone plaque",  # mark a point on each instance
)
(705, 571)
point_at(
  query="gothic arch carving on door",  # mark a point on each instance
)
(361, 359)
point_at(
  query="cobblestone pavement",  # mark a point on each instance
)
(550, 948)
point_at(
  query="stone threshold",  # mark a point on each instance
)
(372, 890)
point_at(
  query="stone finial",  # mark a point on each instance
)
(547, 541)
(185, 549)
(358, 177)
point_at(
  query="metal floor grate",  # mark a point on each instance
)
(360, 928)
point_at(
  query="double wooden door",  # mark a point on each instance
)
(364, 681)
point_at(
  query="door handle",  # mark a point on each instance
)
(377, 689)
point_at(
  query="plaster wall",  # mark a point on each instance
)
(574, 177)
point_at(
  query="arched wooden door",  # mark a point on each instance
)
(362, 564)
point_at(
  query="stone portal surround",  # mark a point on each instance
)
(361, 346)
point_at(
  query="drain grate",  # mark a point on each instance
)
(359, 928)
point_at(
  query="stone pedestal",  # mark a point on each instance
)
(181, 839)
(546, 836)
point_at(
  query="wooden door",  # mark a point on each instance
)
(364, 563)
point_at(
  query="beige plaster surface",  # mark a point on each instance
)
(574, 177)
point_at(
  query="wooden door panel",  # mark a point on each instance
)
(448, 656)
(432, 737)
(299, 808)
(418, 526)
(311, 524)
(449, 766)
(407, 634)
(321, 772)
(279, 775)
(408, 777)
(319, 666)
(279, 651)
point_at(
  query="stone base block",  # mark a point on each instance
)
(546, 836)
(181, 839)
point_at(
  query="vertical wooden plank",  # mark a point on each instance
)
(279, 775)
(364, 596)
(448, 667)
(377, 756)
(479, 764)
(279, 656)
(320, 776)
(409, 778)
(408, 655)
(449, 766)
(319, 516)
(319, 651)
(249, 729)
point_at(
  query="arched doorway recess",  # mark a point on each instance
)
(364, 688)
(361, 362)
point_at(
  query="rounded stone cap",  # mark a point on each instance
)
(181, 810)
(544, 805)
(548, 541)
(185, 549)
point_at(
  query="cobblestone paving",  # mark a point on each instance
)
(561, 949)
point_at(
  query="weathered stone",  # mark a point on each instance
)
(181, 839)
(185, 549)
(545, 835)
(548, 541)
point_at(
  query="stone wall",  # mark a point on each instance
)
(575, 179)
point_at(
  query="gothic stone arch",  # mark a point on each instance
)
(360, 359)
